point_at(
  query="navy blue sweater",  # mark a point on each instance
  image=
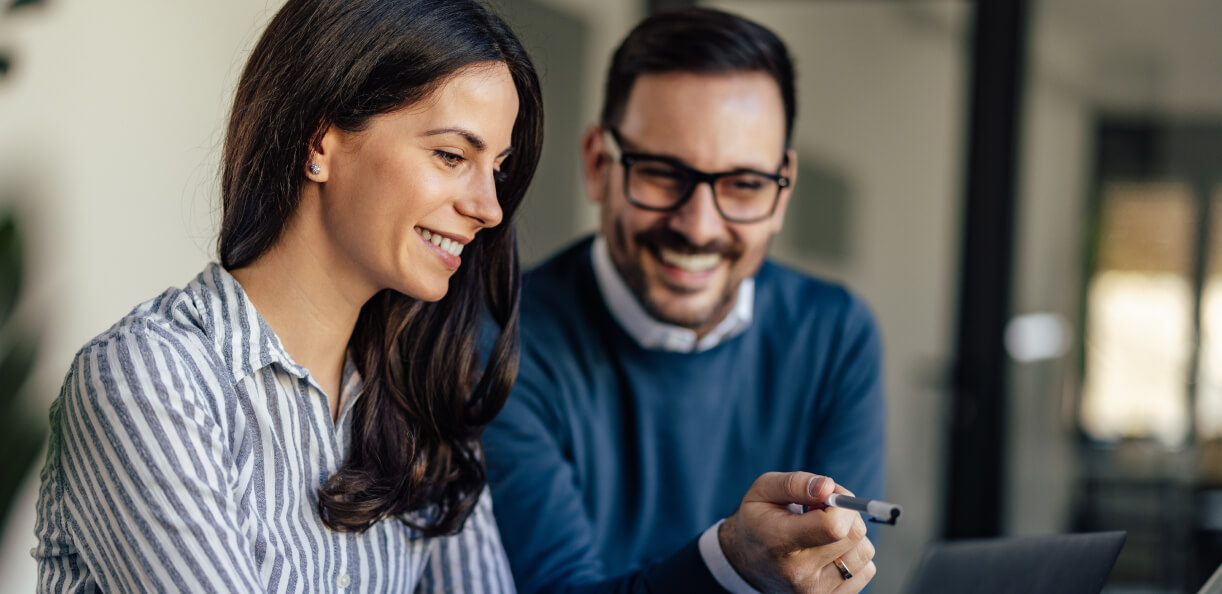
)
(609, 459)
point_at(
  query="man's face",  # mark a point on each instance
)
(685, 266)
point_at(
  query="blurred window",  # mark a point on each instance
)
(1209, 375)
(1153, 324)
(1139, 314)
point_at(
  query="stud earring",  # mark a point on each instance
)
(315, 168)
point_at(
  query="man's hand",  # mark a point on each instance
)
(777, 550)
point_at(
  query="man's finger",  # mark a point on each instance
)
(837, 489)
(860, 578)
(783, 488)
(837, 529)
(859, 556)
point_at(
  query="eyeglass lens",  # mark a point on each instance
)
(660, 185)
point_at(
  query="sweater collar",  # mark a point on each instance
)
(652, 334)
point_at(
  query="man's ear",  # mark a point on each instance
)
(322, 151)
(594, 163)
(790, 170)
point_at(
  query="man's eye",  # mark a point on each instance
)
(661, 172)
(450, 159)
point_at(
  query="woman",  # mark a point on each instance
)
(305, 415)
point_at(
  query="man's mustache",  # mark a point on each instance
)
(663, 238)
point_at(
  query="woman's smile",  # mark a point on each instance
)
(447, 247)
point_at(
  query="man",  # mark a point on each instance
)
(667, 366)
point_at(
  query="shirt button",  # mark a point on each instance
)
(343, 581)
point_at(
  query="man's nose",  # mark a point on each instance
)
(698, 219)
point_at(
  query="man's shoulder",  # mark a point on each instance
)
(787, 295)
(565, 267)
(564, 320)
(559, 287)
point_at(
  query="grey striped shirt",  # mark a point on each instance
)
(186, 450)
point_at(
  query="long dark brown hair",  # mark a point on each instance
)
(416, 427)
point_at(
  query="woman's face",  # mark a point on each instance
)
(400, 198)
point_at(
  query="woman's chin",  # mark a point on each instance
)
(430, 294)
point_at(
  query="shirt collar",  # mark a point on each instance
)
(652, 334)
(245, 340)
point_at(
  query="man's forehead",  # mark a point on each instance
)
(736, 85)
(714, 118)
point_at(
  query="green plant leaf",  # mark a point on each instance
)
(20, 441)
(15, 4)
(10, 267)
(15, 368)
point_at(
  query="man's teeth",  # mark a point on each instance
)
(444, 243)
(691, 262)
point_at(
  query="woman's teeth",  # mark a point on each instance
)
(444, 243)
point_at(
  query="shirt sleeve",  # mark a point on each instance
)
(472, 561)
(719, 565)
(135, 494)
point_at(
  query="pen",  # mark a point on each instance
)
(879, 511)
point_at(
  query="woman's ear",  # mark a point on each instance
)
(318, 166)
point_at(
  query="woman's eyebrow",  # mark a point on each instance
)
(472, 138)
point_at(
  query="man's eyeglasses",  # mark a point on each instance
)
(664, 184)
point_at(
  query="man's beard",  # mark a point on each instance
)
(653, 240)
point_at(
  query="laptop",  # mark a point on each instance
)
(1053, 564)
(1214, 585)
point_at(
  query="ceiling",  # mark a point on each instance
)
(1150, 55)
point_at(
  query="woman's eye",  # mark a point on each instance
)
(450, 159)
(499, 176)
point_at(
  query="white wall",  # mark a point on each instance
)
(112, 123)
(609, 22)
(1049, 241)
(110, 127)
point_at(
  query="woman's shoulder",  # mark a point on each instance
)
(169, 340)
(168, 318)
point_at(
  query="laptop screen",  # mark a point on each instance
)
(1053, 564)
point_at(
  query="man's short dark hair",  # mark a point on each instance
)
(699, 41)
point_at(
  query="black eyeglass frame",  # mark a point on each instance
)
(626, 159)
